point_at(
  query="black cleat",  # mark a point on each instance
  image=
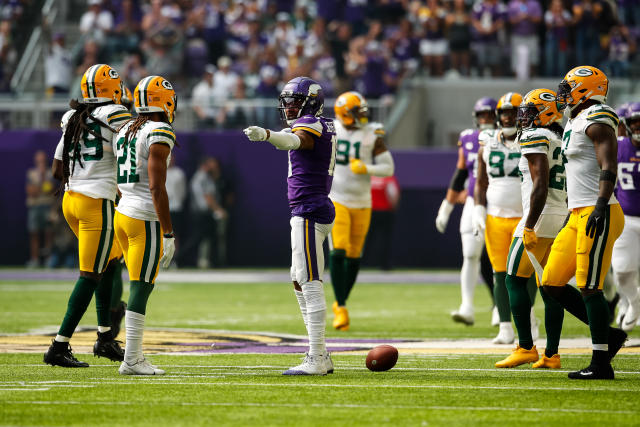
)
(617, 337)
(108, 347)
(60, 354)
(593, 372)
(116, 318)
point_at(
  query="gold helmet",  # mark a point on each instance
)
(155, 94)
(127, 98)
(538, 109)
(508, 101)
(101, 83)
(351, 109)
(582, 83)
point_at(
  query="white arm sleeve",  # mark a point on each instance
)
(384, 165)
(284, 140)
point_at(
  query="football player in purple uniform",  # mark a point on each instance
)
(311, 144)
(626, 250)
(484, 117)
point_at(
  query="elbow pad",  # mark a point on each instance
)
(384, 165)
(458, 179)
(284, 140)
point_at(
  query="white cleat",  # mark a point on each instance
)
(328, 363)
(463, 316)
(631, 316)
(495, 316)
(535, 334)
(311, 365)
(623, 306)
(506, 335)
(141, 367)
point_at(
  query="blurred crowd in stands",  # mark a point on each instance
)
(226, 50)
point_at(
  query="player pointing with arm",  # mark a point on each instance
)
(583, 247)
(143, 222)
(311, 146)
(360, 153)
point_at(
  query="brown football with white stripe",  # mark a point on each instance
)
(382, 358)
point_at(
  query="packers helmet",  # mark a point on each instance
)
(508, 101)
(580, 84)
(538, 108)
(101, 83)
(155, 94)
(351, 109)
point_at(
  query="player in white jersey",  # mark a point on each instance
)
(143, 221)
(583, 247)
(360, 153)
(85, 164)
(544, 208)
(498, 207)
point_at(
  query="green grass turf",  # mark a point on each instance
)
(249, 390)
(376, 310)
(235, 389)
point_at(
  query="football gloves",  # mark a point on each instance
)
(479, 219)
(529, 238)
(255, 133)
(595, 223)
(358, 167)
(168, 249)
(443, 215)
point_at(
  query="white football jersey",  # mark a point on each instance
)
(543, 141)
(503, 193)
(583, 171)
(348, 188)
(133, 160)
(96, 177)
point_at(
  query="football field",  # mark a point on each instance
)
(224, 339)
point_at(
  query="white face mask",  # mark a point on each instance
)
(485, 126)
(510, 131)
(635, 137)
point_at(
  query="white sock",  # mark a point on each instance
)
(468, 279)
(303, 308)
(60, 338)
(103, 329)
(628, 285)
(134, 324)
(316, 316)
(609, 287)
(506, 326)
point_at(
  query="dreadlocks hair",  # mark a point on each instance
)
(73, 134)
(136, 124)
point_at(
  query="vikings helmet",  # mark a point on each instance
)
(623, 110)
(633, 115)
(301, 96)
(482, 105)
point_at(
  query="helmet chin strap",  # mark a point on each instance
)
(510, 131)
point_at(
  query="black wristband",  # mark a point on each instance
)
(169, 235)
(458, 179)
(606, 175)
(602, 203)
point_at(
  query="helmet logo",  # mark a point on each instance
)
(547, 96)
(341, 102)
(583, 72)
(166, 85)
(113, 73)
(314, 89)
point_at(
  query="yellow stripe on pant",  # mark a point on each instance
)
(92, 222)
(575, 253)
(141, 243)
(497, 236)
(350, 229)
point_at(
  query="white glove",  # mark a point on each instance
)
(443, 215)
(479, 220)
(168, 249)
(255, 133)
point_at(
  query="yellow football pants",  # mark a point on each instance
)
(519, 263)
(92, 222)
(350, 229)
(573, 252)
(141, 243)
(497, 237)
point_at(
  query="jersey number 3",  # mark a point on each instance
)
(127, 170)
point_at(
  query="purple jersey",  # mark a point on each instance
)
(468, 140)
(628, 189)
(311, 171)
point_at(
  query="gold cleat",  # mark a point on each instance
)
(552, 362)
(520, 356)
(334, 307)
(341, 319)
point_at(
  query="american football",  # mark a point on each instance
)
(382, 358)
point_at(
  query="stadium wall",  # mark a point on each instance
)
(259, 227)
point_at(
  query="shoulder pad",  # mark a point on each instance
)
(466, 132)
(377, 128)
(159, 132)
(533, 138)
(65, 119)
(602, 113)
(308, 123)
